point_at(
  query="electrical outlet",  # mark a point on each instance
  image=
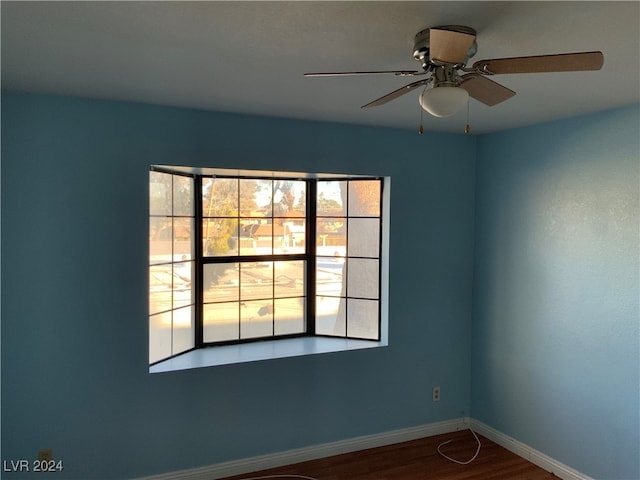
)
(45, 455)
(436, 394)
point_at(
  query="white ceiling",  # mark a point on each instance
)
(249, 57)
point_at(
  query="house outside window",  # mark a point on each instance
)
(238, 257)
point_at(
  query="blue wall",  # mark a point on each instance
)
(552, 357)
(74, 301)
(555, 360)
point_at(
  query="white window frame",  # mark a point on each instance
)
(275, 347)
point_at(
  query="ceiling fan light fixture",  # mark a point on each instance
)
(444, 101)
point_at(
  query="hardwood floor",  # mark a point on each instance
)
(417, 460)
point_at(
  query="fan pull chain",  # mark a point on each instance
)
(421, 128)
(467, 128)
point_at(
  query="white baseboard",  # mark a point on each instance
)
(263, 462)
(534, 456)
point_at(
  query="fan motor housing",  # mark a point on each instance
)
(422, 42)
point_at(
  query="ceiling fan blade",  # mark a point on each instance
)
(396, 93)
(400, 73)
(564, 62)
(449, 46)
(484, 90)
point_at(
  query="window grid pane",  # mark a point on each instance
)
(248, 289)
(253, 300)
(221, 322)
(348, 225)
(289, 316)
(248, 217)
(171, 265)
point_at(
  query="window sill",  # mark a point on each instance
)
(253, 352)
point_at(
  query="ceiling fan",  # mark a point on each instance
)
(443, 53)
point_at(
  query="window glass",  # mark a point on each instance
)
(289, 316)
(182, 239)
(289, 198)
(331, 236)
(362, 318)
(364, 198)
(289, 279)
(219, 197)
(256, 237)
(182, 289)
(348, 266)
(160, 288)
(171, 265)
(364, 237)
(255, 198)
(183, 329)
(331, 316)
(255, 269)
(221, 322)
(160, 193)
(221, 282)
(289, 235)
(256, 280)
(160, 239)
(329, 271)
(220, 237)
(331, 198)
(362, 278)
(182, 196)
(256, 318)
(159, 336)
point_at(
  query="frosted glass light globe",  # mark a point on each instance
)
(444, 101)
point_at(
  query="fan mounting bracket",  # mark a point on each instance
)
(422, 42)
